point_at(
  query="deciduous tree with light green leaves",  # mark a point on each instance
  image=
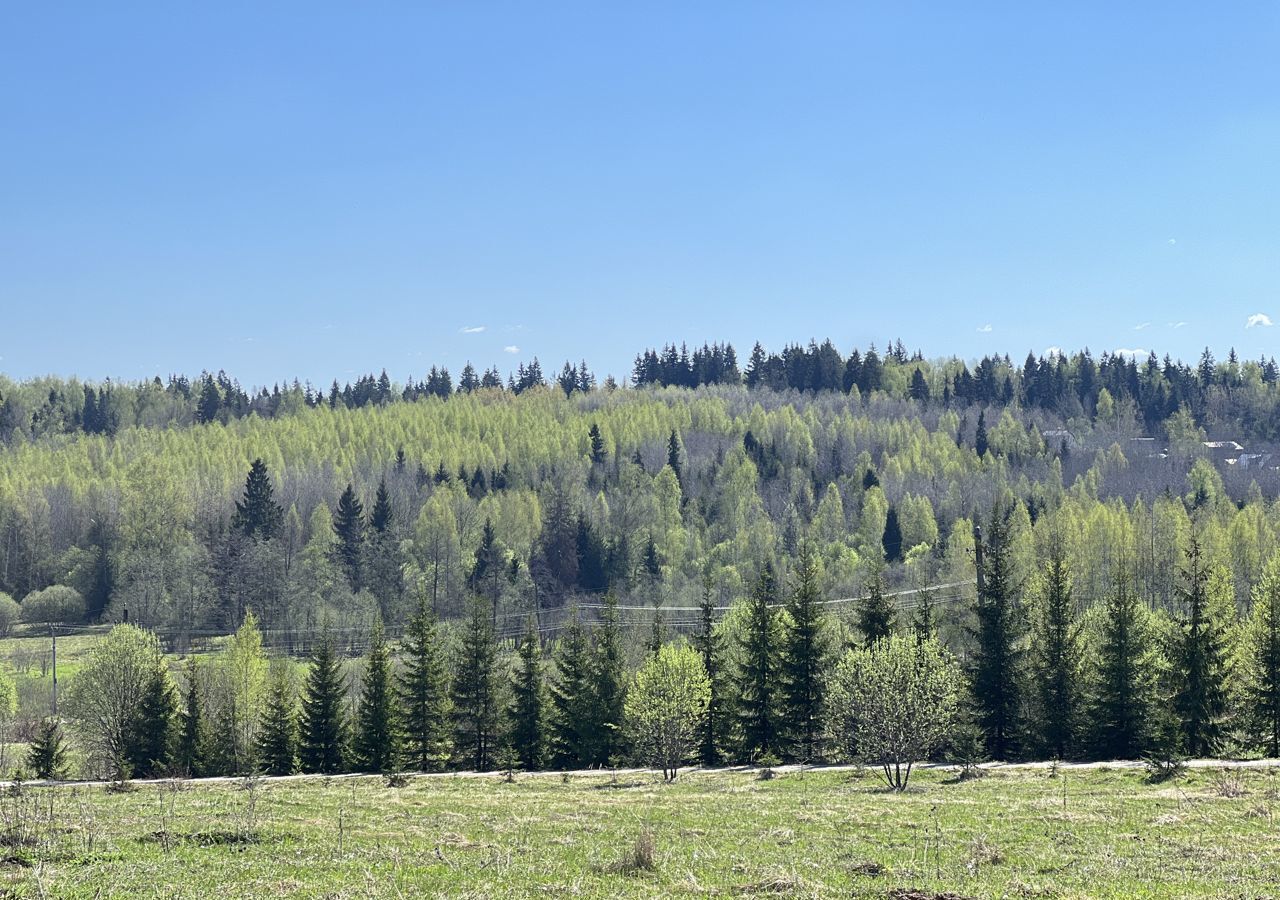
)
(896, 702)
(665, 707)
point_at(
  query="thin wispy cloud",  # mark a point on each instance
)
(1135, 353)
(1259, 319)
(511, 348)
(471, 329)
(1172, 241)
(984, 329)
(1141, 327)
(1177, 324)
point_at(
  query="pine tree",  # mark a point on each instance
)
(758, 670)
(278, 729)
(150, 746)
(804, 662)
(1200, 698)
(571, 697)
(189, 754)
(877, 616)
(609, 688)
(348, 526)
(527, 713)
(423, 694)
(475, 691)
(323, 726)
(258, 514)
(375, 736)
(47, 756)
(1122, 690)
(996, 664)
(1262, 681)
(1055, 659)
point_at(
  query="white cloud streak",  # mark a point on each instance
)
(1259, 319)
(471, 329)
(511, 348)
(984, 329)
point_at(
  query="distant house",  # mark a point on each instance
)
(1056, 437)
(1225, 452)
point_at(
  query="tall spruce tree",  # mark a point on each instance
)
(150, 747)
(804, 662)
(996, 663)
(1055, 659)
(1122, 690)
(922, 624)
(1262, 669)
(610, 688)
(572, 699)
(278, 729)
(757, 674)
(376, 734)
(323, 726)
(189, 753)
(709, 644)
(348, 526)
(476, 713)
(47, 755)
(674, 457)
(527, 713)
(258, 514)
(423, 694)
(877, 616)
(1200, 698)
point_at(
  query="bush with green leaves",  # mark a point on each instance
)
(665, 708)
(55, 604)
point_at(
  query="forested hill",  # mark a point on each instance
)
(1233, 397)
(541, 496)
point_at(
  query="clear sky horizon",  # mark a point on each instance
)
(319, 191)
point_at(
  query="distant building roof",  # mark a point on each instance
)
(1224, 445)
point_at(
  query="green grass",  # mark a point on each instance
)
(814, 834)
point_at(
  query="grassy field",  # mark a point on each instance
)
(1014, 833)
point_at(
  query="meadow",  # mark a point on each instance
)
(1065, 832)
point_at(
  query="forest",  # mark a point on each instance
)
(1070, 558)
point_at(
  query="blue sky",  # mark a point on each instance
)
(326, 190)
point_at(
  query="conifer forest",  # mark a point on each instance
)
(707, 562)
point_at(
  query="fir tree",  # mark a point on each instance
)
(710, 645)
(980, 444)
(996, 664)
(571, 697)
(47, 755)
(758, 670)
(348, 526)
(1200, 699)
(597, 444)
(189, 754)
(423, 693)
(380, 515)
(278, 730)
(922, 624)
(1122, 690)
(803, 662)
(673, 457)
(258, 514)
(891, 542)
(610, 688)
(375, 736)
(323, 726)
(1262, 682)
(475, 691)
(527, 713)
(1055, 660)
(877, 616)
(150, 746)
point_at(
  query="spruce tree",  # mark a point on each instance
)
(709, 644)
(278, 729)
(980, 435)
(757, 674)
(922, 624)
(258, 514)
(1262, 682)
(609, 689)
(1200, 698)
(189, 753)
(996, 664)
(891, 541)
(375, 734)
(572, 699)
(348, 526)
(877, 616)
(1055, 660)
(423, 694)
(527, 713)
(323, 725)
(47, 756)
(150, 745)
(597, 444)
(673, 457)
(804, 661)
(1123, 684)
(475, 691)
